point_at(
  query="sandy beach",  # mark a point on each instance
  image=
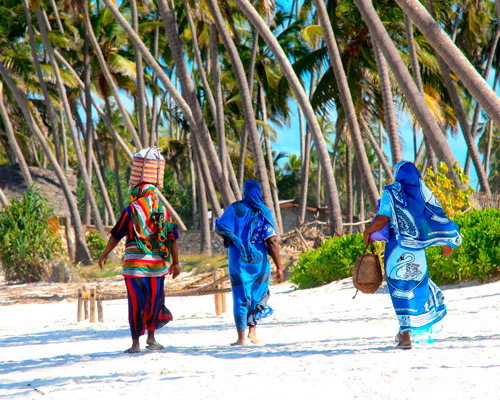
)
(328, 346)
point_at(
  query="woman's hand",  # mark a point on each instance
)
(103, 260)
(447, 251)
(279, 275)
(174, 270)
(366, 237)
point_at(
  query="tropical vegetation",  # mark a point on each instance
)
(84, 84)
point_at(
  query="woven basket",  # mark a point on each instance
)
(367, 272)
(147, 169)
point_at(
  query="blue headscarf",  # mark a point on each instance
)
(240, 220)
(418, 218)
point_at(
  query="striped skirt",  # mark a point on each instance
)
(146, 305)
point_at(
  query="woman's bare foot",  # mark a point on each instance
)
(252, 335)
(135, 347)
(241, 339)
(151, 342)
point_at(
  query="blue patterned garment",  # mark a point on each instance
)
(246, 225)
(417, 221)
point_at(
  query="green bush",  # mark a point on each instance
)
(332, 261)
(479, 255)
(477, 258)
(28, 238)
(96, 244)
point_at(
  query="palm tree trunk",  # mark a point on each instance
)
(13, 142)
(332, 197)
(192, 174)
(244, 133)
(391, 125)
(153, 141)
(64, 140)
(205, 242)
(3, 200)
(487, 152)
(415, 99)
(192, 115)
(56, 14)
(219, 108)
(467, 131)
(452, 55)
(270, 164)
(82, 252)
(347, 103)
(348, 183)
(109, 78)
(246, 102)
(381, 143)
(48, 103)
(89, 124)
(318, 187)
(359, 196)
(141, 92)
(76, 141)
(365, 129)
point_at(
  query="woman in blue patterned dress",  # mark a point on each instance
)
(417, 221)
(247, 227)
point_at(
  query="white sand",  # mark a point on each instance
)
(331, 347)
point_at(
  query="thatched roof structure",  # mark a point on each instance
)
(12, 184)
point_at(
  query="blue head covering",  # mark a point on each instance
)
(240, 220)
(418, 218)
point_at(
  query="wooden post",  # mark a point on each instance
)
(100, 316)
(85, 302)
(92, 304)
(79, 311)
(222, 295)
(217, 297)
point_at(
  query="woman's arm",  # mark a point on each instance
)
(274, 251)
(378, 223)
(174, 269)
(112, 242)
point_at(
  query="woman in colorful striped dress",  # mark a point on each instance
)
(150, 241)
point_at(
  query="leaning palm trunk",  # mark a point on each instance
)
(365, 129)
(139, 80)
(270, 164)
(13, 142)
(321, 149)
(46, 97)
(244, 133)
(487, 152)
(347, 103)
(246, 102)
(205, 242)
(390, 115)
(195, 120)
(76, 141)
(467, 131)
(452, 55)
(82, 252)
(109, 78)
(410, 90)
(348, 182)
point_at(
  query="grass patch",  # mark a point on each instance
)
(200, 263)
(93, 272)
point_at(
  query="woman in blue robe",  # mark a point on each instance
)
(248, 230)
(416, 221)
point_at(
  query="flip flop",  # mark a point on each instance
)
(156, 346)
(403, 346)
(130, 351)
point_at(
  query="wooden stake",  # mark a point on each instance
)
(85, 303)
(92, 304)
(100, 316)
(217, 297)
(79, 311)
(222, 295)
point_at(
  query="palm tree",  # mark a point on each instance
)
(82, 252)
(330, 184)
(407, 85)
(455, 59)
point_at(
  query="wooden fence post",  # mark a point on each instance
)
(92, 304)
(222, 295)
(100, 316)
(217, 299)
(85, 302)
(79, 311)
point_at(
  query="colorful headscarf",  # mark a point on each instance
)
(151, 220)
(240, 220)
(418, 218)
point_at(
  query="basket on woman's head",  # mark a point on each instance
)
(148, 166)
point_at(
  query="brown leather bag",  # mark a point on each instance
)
(367, 272)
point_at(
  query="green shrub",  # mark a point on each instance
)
(28, 238)
(479, 255)
(477, 258)
(333, 260)
(96, 244)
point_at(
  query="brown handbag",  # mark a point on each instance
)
(367, 272)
